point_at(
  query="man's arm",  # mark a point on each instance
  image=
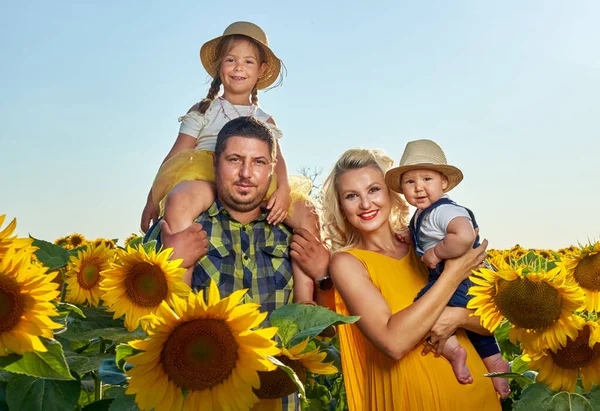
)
(313, 258)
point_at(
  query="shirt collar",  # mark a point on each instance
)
(217, 208)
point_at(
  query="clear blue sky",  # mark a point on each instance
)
(91, 92)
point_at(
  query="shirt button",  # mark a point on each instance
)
(246, 257)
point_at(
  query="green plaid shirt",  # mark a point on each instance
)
(253, 256)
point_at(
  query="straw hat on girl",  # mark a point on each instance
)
(209, 52)
(423, 154)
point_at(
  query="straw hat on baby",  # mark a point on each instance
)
(425, 154)
(209, 52)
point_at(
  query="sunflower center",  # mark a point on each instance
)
(146, 285)
(577, 353)
(76, 241)
(12, 305)
(528, 304)
(88, 276)
(200, 354)
(276, 383)
(587, 272)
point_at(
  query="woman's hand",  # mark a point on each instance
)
(278, 205)
(447, 323)
(462, 266)
(149, 214)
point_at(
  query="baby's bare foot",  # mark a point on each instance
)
(458, 358)
(496, 363)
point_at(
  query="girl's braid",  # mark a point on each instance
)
(215, 86)
(255, 96)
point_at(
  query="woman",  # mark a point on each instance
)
(377, 277)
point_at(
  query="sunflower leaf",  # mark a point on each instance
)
(571, 402)
(70, 308)
(50, 364)
(522, 379)
(99, 324)
(82, 364)
(290, 373)
(534, 397)
(51, 255)
(124, 402)
(298, 321)
(36, 394)
(123, 350)
(101, 405)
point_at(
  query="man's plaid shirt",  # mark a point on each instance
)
(253, 256)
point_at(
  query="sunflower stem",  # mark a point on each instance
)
(63, 290)
(97, 386)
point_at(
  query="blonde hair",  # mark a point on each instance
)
(339, 234)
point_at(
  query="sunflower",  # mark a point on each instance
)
(62, 241)
(75, 240)
(559, 370)
(139, 282)
(6, 241)
(209, 350)
(584, 269)
(539, 305)
(132, 237)
(99, 241)
(277, 383)
(83, 277)
(25, 294)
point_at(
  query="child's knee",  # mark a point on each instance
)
(178, 201)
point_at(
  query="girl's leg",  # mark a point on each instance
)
(184, 204)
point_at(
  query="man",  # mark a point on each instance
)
(233, 244)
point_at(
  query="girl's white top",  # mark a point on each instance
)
(205, 127)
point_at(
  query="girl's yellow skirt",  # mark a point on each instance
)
(190, 165)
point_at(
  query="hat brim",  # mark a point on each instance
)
(393, 175)
(209, 56)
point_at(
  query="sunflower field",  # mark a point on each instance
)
(94, 325)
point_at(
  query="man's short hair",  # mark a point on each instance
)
(248, 127)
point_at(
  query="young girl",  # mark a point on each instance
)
(439, 230)
(241, 61)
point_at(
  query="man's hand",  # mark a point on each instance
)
(430, 259)
(190, 244)
(278, 206)
(308, 252)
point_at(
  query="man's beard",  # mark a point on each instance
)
(247, 203)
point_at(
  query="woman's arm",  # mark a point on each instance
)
(396, 334)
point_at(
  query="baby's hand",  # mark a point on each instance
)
(430, 259)
(278, 206)
(404, 235)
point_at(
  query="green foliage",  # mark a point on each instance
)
(296, 322)
(51, 255)
(50, 364)
(37, 394)
(540, 397)
(124, 402)
(99, 324)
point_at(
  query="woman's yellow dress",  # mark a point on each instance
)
(416, 382)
